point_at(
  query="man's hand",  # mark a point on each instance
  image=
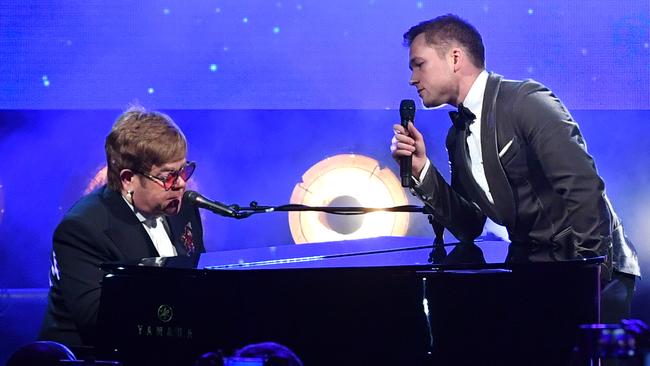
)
(409, 143)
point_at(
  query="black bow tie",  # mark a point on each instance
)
(462, 118)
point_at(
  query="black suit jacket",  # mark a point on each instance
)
(545, 186)
(99, 228)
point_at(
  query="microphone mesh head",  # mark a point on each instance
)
(407, 109)
(190, 196)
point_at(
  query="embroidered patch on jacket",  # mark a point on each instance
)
(187, 239)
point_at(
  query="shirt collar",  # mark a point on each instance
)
(152, 222)
(474, 99)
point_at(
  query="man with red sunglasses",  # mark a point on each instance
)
(139, 213)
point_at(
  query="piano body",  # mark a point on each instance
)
(363, 302)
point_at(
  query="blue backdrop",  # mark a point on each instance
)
(304, 54)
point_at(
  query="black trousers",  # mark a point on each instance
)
(616, 298)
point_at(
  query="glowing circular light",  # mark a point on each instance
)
(98, 180)
(341, 181)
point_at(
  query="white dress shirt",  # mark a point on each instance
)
(157, 232)
(474, 102)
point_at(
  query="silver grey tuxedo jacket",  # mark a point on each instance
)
(545, 186)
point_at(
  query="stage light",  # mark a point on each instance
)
(99, 179)
(347, 180)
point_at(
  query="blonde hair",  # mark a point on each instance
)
(139, 140)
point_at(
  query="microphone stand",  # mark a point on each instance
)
(254, 208)
(437, 255)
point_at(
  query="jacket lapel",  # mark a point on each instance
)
(176, 231)
(125, 230)
(496, 176)
(461, 162)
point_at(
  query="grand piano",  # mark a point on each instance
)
(362, 302)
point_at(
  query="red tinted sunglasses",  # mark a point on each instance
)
(169, 181)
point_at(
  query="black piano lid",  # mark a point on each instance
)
(393, 252)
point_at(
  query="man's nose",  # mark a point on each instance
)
(180, 183)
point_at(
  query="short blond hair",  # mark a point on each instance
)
(139, 140)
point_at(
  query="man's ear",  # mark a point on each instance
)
(457, 57)
(126, 177)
